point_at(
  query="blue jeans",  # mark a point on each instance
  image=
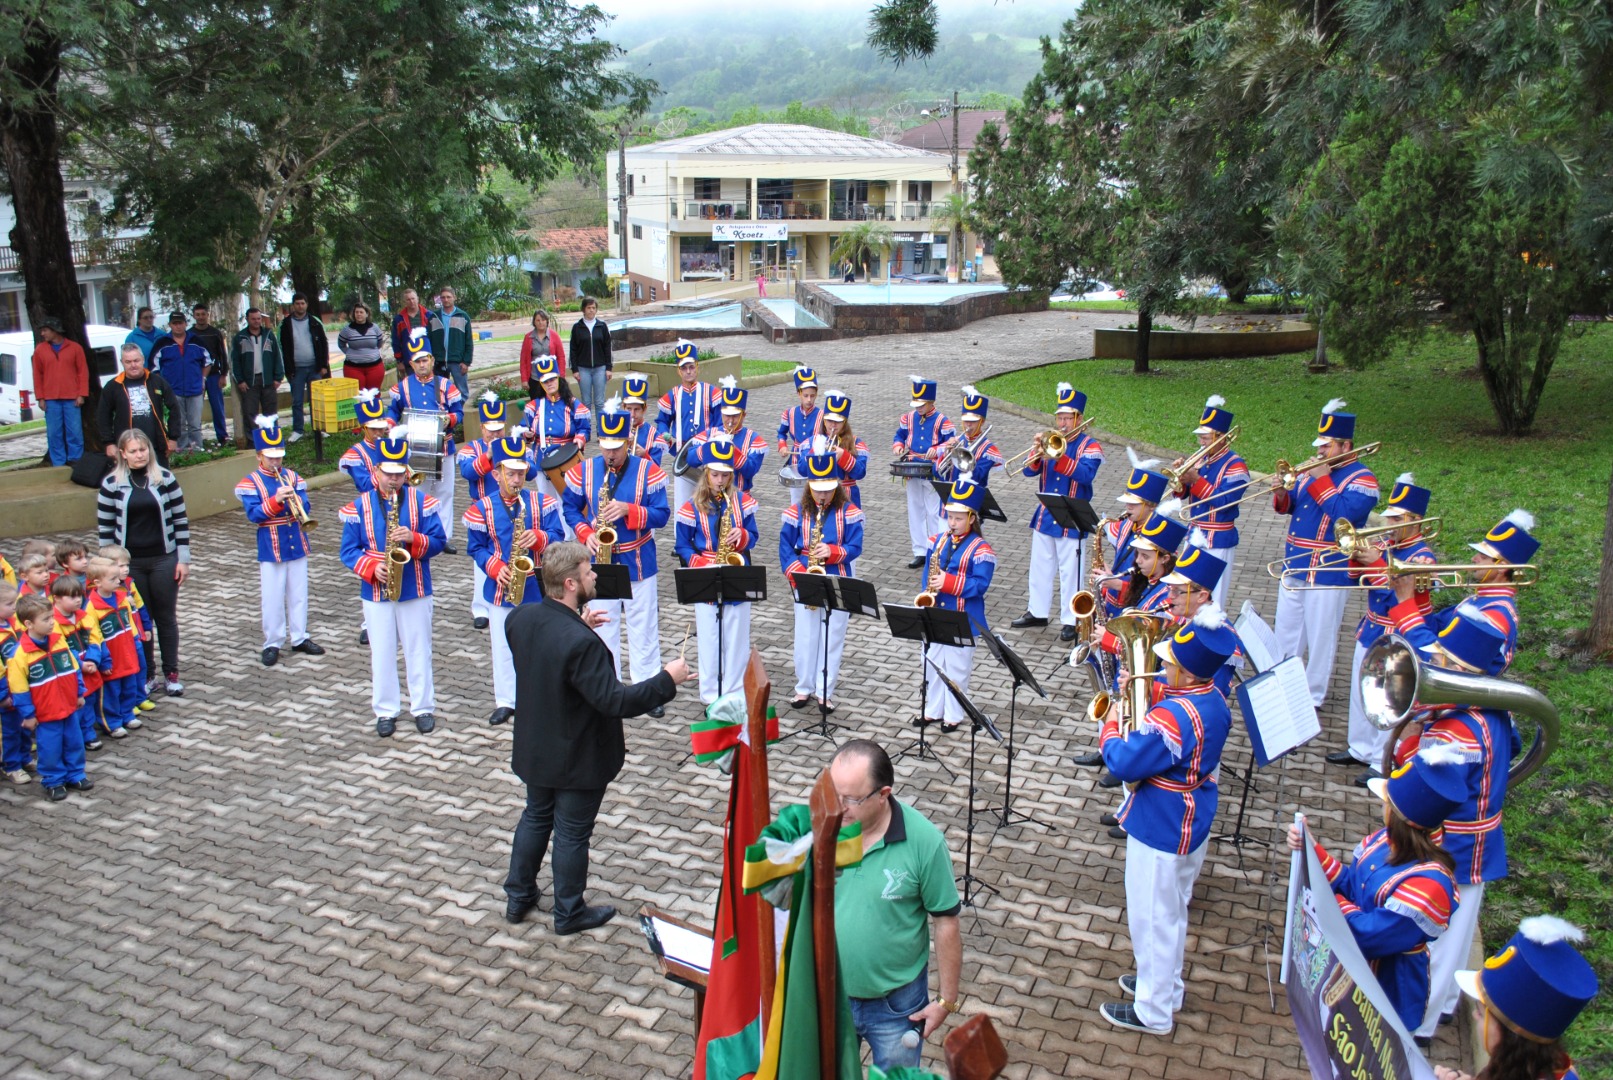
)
(300, 378)
(64, 431)
(881, 1022)
(591, 388)
(215, 401)
(568, 815)
(458, 373)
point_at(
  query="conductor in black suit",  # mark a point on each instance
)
(569, 745)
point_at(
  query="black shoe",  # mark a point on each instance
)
(1108, 818)
(951, 726)
(800, 702)
(1088, 761)
(1109, 780)
(363, 637)
(1362, 780)
(1027, 620)
(56, 794)
(658, 712)
(94, 744)
(1343, 757)
(80, 785)
(449, 549)
(1424, 1042)
(385, 726)
(1067, 634)
(588, 920)
(918, 561)
(1128, 985)
(501, 715)
(271, 656)
(424, 723)
(309, 647)
(1116, 832)
(517, 910)
(479, 623)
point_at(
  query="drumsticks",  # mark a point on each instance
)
(684, 644)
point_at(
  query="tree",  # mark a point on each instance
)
(555, 264)
(954, 215)
(861, 243)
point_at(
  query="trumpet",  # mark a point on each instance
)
(415, 478)
(1427, 575)
(1175, 473)
(1051, 443)
(300, 515)
(1285, 476)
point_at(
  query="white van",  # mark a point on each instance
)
(17, 368)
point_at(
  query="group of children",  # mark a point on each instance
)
(74, 647)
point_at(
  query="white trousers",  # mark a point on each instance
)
(923, 508)
(1070, 557)
(682, 490)
(735, 649)
(643, 617)
(1159, 886)
(1222, 587)
(443, 491)
(1448, 954)
(809, 650)
(479, 607)
(1308, 624)
(1367, 742)
(284, 601)
(503, 662)
(408, 622)
(957, 661)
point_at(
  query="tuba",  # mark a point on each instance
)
(1138, 632)
(397, 556)
(1395, 684)
(521, 566)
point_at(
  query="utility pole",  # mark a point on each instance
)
(621, 205)
(957, 226)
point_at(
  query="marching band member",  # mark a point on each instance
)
(266, 494)
(1191, 584)
(646, 441)
(1398, 894)
(1211, 485)
(1467, 641)
(921, 434)
(1408, 503)
(1345, 490)
(1144, 490)
(476, 466)
(627, 492)
(685, 411)
(1170, 757)
(506, 523)
(425, 391)
(555, 418)
(1053, 546)
(719, 519)
(799, 423)
(360, 460)
(986, 455)
(851, 452)
(1525, 996)
(957, 569)
(824, 530)
(750, 447)
(367, 543)
(1505, 547)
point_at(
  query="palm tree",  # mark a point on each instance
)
(954, 214)
(555, 264)
(861, 242)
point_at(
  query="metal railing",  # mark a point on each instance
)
(85, 253)
(788, 210)
(918, 211)
(862, 211)
(716, 210)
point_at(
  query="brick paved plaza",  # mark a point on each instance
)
(260, 887)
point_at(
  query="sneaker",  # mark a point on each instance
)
(117, 733)
(80, 785)
(146, 705)
(134, 723)
(296, 436)
(153, 684)
(1123, 1015)
(1128, 985)
(173, 687)
(19, 776)
(56, 794)
(94, 744)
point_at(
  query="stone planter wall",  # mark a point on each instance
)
(1205, 344)
(777, 331)
(41, 501)
(863, 320)
(664, 377)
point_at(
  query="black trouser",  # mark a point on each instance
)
(568, 814)
(154, 577)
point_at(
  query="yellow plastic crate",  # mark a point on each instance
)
(333, 406)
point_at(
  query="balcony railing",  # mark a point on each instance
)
(918, 211)
(85, 253)
(788, 210)
(862, 211)
(717, 210)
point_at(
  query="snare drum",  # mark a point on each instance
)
(790, 478)
(684, 466)
(913, 469)
(427, 441)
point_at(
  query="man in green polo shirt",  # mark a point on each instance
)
(883, 908)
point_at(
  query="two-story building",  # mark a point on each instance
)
(108, 293)
(728, 205)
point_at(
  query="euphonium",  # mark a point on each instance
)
(726, 555)
(397, 556)
(814, 538)
(1138, 632)
(521, 564)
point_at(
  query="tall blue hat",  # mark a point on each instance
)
(836, 406)
(720, 452)
(966, 495)
(923, 389)
(1539, 983)
(1201, 646)
(804, 377)
(544, 368)
(613, 425)
(1407, 498)
(510, 450)
(1428, 788)
(1145, 485)
(635, 389)
(822, 467)
(1161, 531)
(1069, 399)
(1510, 541)
(267, 436)
(975, 404)
(490, 409)
(734, 396)
(685, 352)
(1197, 567)
(1335, 424)
(419, 343)
(1469, 637)
(371, 410)
(394, 447)
(1215, 419)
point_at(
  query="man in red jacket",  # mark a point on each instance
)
(61, 383)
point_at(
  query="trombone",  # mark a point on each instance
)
(960, 457)
(1353, 542)
(1427, 575)
(1285, 476)
(1052, 443)
(1201, 455)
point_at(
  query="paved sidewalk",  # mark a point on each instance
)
(259, 887)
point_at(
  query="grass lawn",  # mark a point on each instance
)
(752, 368)
(1432, 415)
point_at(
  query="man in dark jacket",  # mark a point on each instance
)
(452, 341)
(306, 353)
(257, 369)
(138, 398)
(410, 317)
(569, 743)
(211, 338)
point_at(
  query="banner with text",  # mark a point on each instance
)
(727, 231)
(1344, 1021)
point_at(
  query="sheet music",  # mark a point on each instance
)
(1259, 641)
(687, 947)
(1278, 711)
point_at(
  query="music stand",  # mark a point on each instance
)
(612, 582)
(928, 626)
(719, 585)
(829, 594)
(1022, 676)
(989, 510)
(977, 721)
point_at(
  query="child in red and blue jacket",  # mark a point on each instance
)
(83, 636)
(16, 745)
(48, 691)
(108, 604)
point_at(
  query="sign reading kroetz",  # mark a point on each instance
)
(730, 231)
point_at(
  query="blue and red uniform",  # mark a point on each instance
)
(1347, 493)
(359, 462)
(641, 483)
(750, 451)
(83, 635)
(490, 528)
(1071, 475)
(122, 688)
(1171, 762)
(1221, 481)
(1473, 833)
(364, 543)
(796, 426)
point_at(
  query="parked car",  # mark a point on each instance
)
(1087, 289)
(17, 369)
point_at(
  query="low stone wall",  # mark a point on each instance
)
(1205, 344)
(777, 331)
(847, 319)
(632, 337)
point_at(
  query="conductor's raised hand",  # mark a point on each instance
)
(679, 670)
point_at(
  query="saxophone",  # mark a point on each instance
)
(726, 555)
(927, 597)
(606, 534)
(397, 556)
(521, 564)
(814, 538)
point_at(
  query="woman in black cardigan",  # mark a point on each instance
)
(590, 356)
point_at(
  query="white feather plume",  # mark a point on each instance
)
(1444, 754)
(613, 404)
(1549, 930)
(820, 444)
(1523, 519)
(917, 379)
(1198, 539)
(728, 382)
(1168, 508)
(1333, 406)
(1210, 616)
(267, 423)
(719, 438)
(367, 395)
(1215, 401)
(834, 393)
(489, 396)
(1140, 462)
(1405, 478)
(799, 368)
(1469, 610)
(1064, 388)
(970, 391)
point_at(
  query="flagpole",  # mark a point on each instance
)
(757, 690)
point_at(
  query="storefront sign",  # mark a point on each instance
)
(730, 232)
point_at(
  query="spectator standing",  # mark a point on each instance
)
(541, 339)
(138, 399)
(145, 332)
(257, 368)
(211, 338)
(361, 343)
(591, 355)
(306, 353)
(183, 362)
(410, 317)
(61, 383)
(140, 507)
(452, 341)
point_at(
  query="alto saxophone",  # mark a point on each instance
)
(605, 533)
(521, 564)
(927, 597)
(397, 555)
(726, 555)
(814, 538)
